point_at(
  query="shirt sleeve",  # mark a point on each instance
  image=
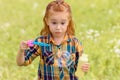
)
(31, 53)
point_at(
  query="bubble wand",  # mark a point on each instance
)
(31, 43)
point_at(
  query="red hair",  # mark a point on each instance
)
(58, 7)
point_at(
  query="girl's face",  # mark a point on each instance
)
(58, 22)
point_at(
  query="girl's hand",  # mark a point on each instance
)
(23, 46)
(85, 67)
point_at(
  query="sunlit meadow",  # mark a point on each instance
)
(97, 24)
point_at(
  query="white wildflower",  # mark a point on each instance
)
(110, 11)
(83, 25)
(111, 41)
(22, 31)
(35, 5)
(112, 31)
(90, 31)
(92, 5)
(7, 24)
(89, 37)
(92, 34)
(117, 51)
(97, 34)
(118, 42)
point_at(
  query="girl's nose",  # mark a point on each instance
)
(58, 26)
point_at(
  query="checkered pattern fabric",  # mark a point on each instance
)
(57, 62)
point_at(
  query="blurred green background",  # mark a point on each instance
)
(97, 24)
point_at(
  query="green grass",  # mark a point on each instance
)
(97, 26)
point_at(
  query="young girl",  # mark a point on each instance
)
(59, 59)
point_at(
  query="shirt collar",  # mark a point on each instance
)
(67, 38)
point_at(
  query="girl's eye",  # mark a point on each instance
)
(63, 23)
(54, 23)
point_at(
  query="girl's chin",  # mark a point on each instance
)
(58, 35)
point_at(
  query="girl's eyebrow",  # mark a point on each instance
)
(61, 20)
(64, 20)
(53, 19)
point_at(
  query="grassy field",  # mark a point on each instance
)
(97, 26)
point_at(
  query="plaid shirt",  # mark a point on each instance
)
(57, 62)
